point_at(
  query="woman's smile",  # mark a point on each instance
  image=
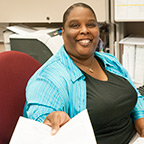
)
(84, 42)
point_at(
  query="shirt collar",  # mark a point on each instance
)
(73, 70)
(107, 60)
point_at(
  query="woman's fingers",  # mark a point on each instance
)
(56, 120)
(139, 125)
(142, 133)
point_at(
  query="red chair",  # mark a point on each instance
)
(15, 70)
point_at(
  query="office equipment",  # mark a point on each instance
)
(15, 70)
(128, 59)
(139, 64)
(32, 47)
(76, 131)
(126, 19)
(40, 44)
(133, 57)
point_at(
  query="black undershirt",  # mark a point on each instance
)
(109, 104)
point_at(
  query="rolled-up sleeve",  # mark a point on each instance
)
(42, 98)
(138, 111)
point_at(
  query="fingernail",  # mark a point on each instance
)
(48, 123)
(53, 131)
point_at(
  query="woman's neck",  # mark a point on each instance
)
(85, 64)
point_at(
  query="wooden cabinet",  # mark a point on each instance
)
(43, 11)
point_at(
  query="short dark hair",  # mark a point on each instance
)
(73, 6)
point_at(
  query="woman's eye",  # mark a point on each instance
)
(74, 25)
(91, 25)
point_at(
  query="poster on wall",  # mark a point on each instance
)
(129, 10)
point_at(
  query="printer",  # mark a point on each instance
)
(40, 44)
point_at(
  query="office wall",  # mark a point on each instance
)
(33, 11)
(2, 28)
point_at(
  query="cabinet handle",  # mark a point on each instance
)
(48, 18)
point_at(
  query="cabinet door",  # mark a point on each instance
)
(35, 11)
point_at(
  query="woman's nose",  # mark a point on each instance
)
(84, 30)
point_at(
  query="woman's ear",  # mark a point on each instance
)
(100, 45)
(63, 32)
(62, 29)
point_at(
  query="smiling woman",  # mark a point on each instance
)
(78, 77)
(81, 34)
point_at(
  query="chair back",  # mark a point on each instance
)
(15, 70)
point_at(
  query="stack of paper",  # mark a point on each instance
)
(133, 57)
(77, 131)
(139, 64)
(140, 140)
(128, 59)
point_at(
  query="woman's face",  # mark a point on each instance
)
(80, 33)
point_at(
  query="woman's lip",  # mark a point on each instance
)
(84, 42)
(84, 39)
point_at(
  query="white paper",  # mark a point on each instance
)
(139, 65)
(140, 140)
(128, 59)
(77, 131)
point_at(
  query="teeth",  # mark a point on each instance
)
(85, 41)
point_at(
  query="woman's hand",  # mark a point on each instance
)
(139, 125)
(56, 119)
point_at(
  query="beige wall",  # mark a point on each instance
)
(33, 11)
(2, 28)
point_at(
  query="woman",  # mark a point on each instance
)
(78, 77)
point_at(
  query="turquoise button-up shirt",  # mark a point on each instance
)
(59, 85)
